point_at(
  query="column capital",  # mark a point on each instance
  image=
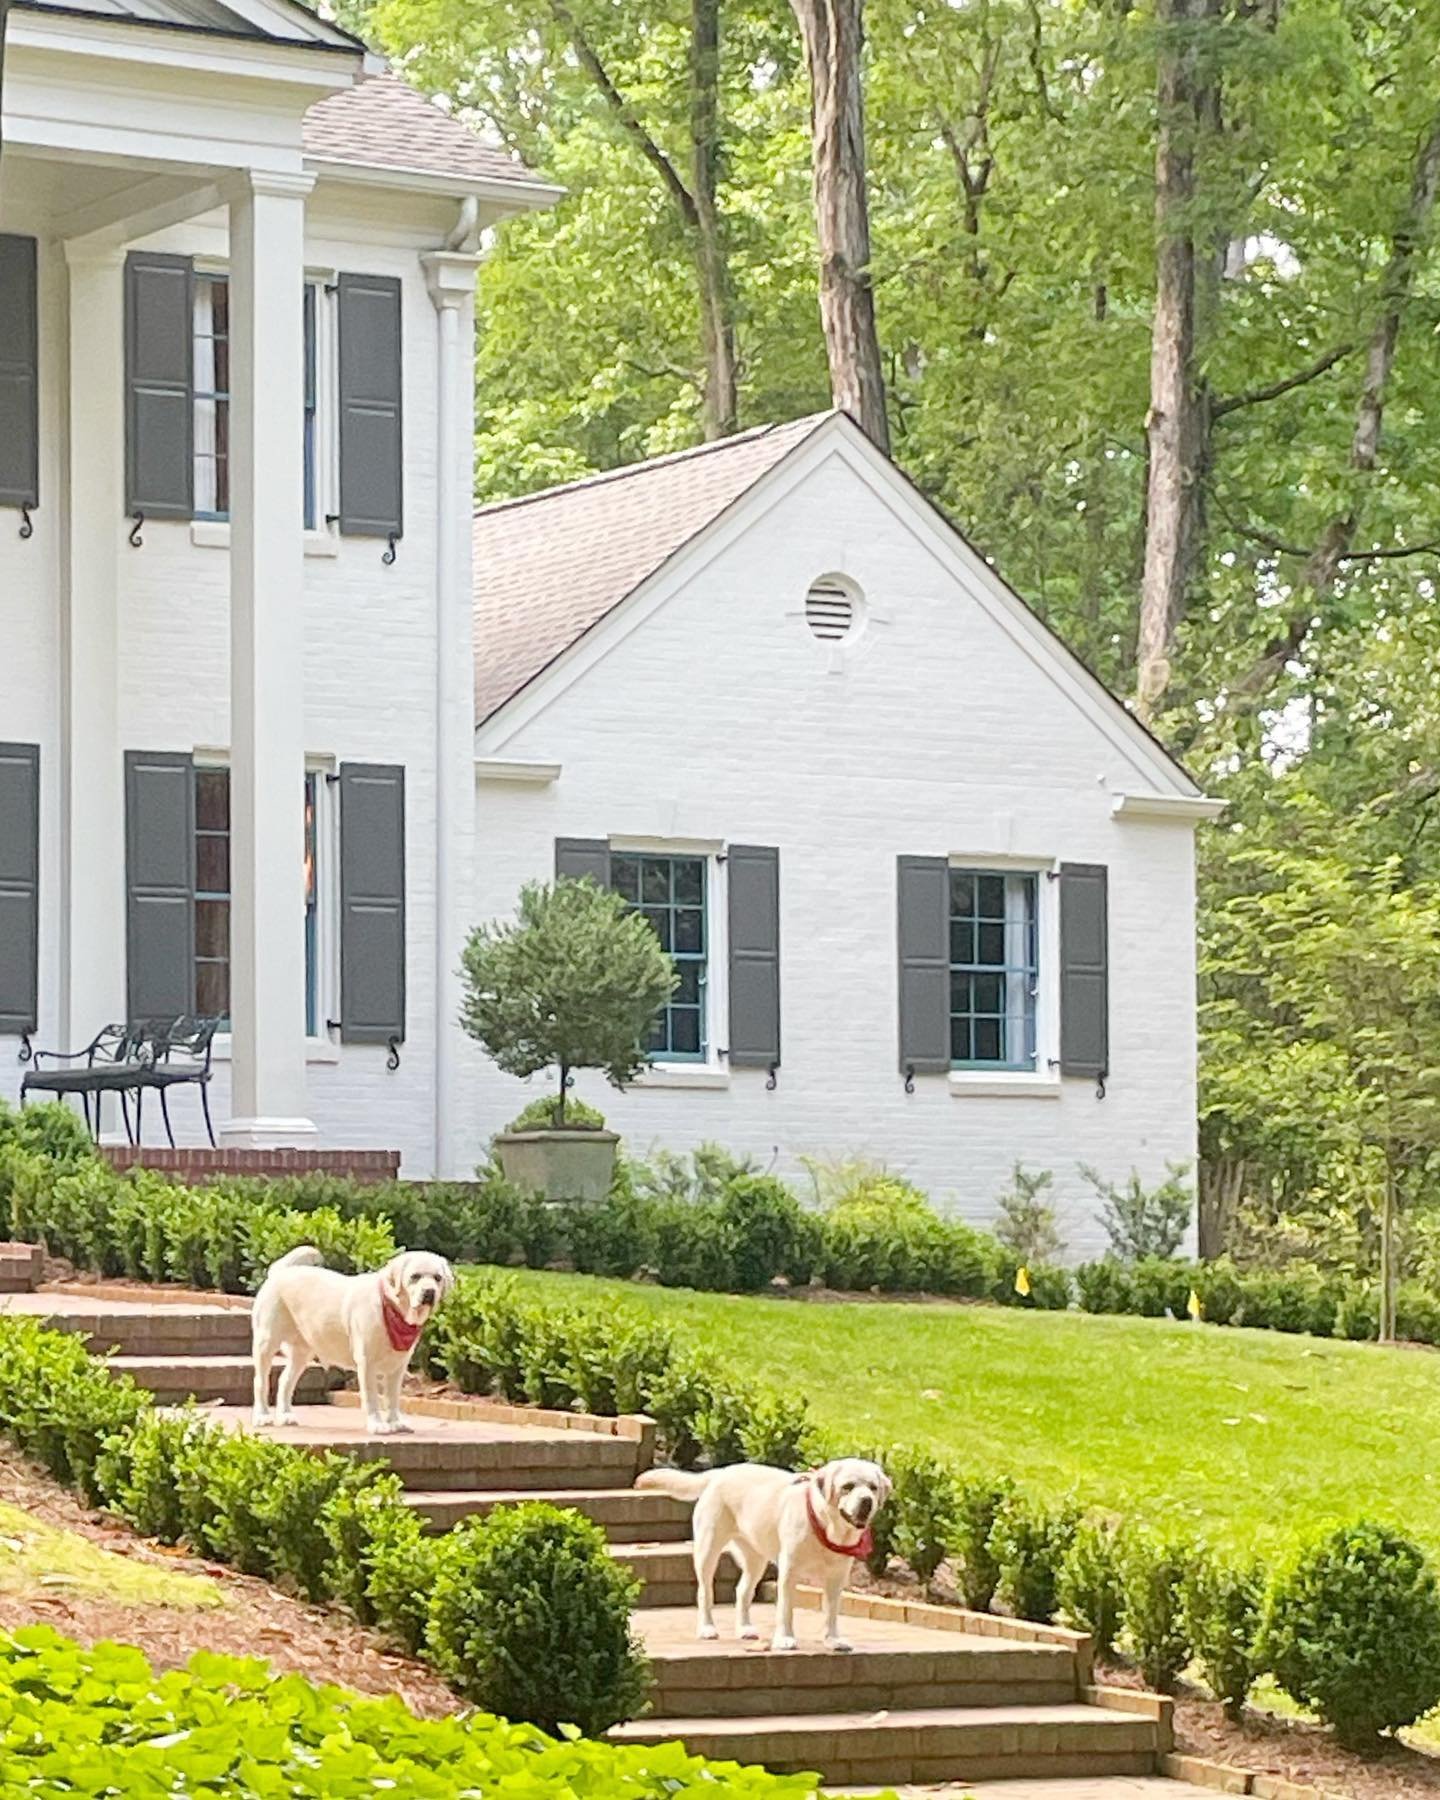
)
(277, 184)
(80, 254)
(450, 277)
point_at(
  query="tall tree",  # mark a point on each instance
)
(833, 33)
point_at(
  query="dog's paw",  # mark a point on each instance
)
(708, 1633)
(783, 1643)
(402, 1427)
(748, 1634)
(260, 1418)
(379, 1428)
(840, 1644)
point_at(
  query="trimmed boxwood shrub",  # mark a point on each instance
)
(977, 1506)
(1088, 1588)
(1029, 1541)
(1352, 1629)
(1152, 1572)
(530, 1618)
(1220, 1606)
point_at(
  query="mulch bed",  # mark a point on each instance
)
(254, 1620)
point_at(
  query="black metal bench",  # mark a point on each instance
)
(130, 1060)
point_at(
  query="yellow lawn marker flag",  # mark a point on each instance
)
(1194, 1307)
(1022, 1282)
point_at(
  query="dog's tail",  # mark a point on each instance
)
(677, 1483)
(303, 1256)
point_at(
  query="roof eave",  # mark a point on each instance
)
(108, 23)
(525, 194)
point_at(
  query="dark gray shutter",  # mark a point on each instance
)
(923, 884)
(372, 903)
(1084, 970)
(753, 877)
(576, 858)
(371, 480)
(19, 374)
(19, 886)
(159, 884)
(159, 385)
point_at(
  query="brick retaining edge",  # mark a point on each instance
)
(197, 1166)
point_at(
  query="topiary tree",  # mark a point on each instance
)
(573, 982)
(1352, 1629)
(530, 1619)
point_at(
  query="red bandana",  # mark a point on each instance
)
(401, 1333)
(862, 1546)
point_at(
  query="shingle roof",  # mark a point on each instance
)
(551, 565)
(384, 124)
(286, 21)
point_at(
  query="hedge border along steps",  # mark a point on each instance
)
(931, 1693)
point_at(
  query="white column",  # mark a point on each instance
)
(451, 279)
(267, 648)
(92, 960)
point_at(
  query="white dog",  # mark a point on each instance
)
(368, 1323)
(809, 1526)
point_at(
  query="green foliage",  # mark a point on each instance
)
(1153, 1571)
(1029, 1541)
(574, 982)
(1143, 1222)
(101, 1721)
(922, 1510)
(1220, 1605)
(531, 1620)
(543, 1115)
(702, 1174)
(1351, 1628)
(1025, 1219)
(1088, 1589)
(978, 1507)
(60, 1404)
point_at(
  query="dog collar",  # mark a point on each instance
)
(862, 1546)
(401, 1333)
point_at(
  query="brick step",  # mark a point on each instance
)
(22, 1267)
(625, 1515)
(896, 1669)
(229, 1379)
(155, 1330)
(452, 1455)
(668, 1572)
(923, 1744)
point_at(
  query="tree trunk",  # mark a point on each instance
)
(1322, 567)
(717, 298)
(1222, 1182)
(1387, 1256)
(1177, 426)
(833, 36)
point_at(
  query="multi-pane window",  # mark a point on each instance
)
(212, 399)
(670, 892)
(994, 969)
(212, 897)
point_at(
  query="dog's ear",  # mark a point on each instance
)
(887, 1486)
(825, 1479)
(392, 1278)
(447, 1278)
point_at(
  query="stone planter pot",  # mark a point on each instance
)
(559, 1165)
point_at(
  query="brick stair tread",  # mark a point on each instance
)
(633, 1510)
(926, 1726)
(1064, 1787)
(203, 1375)
(671, 1639)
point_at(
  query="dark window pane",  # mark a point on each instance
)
(961, 989)
(685, 1030)
(992, 896)
(962, 892)
(656, 1040)
(212, 863)
(625, 876)
(987, 1040)
(989, 994)
(212, 990)
(660, 920)
(212, 799)
(960, 1040)
(992, 945)
(688, 992)
(689, 881)
(212, 928)
(962, 941)
(655, 877)
(690, 930)
(220, 307)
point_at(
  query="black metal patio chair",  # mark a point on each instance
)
(182, 1058)
(114, 1062)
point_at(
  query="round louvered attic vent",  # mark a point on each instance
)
(830, 609)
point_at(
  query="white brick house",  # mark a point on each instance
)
(879, 812)
(276, 728)
(236, 308)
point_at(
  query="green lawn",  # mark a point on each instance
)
(1244, 1435)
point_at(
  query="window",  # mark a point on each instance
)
(670, 892)
(994, 969)
(212, 399)
(212, 897)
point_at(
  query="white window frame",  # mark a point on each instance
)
(712, 1071)
(1043, 1081)
(324, 538)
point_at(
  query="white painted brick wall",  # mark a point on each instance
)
(718, 719)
